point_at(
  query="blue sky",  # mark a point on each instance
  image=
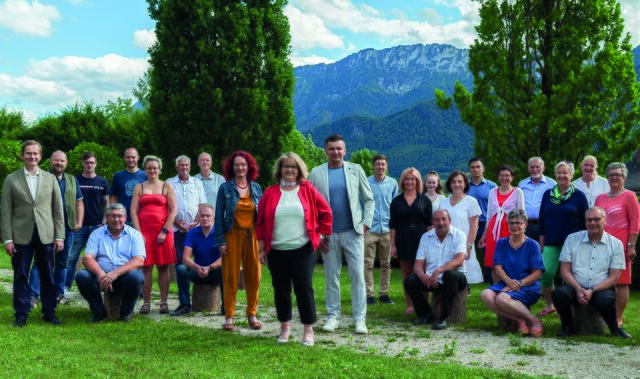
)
(54, 53)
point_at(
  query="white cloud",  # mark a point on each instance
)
(56, 82)
(364, 19)
(631, 14)
(308, 31)
(26, 89)
(309, 60)
(144, 38)
(31, 18)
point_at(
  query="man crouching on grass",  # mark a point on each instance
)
(112, 258)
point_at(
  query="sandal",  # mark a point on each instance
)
(308, 340)
(254, 324)
(546, 312)
(536, 328)
(228, 325)
(408, 311)
(164, 308)
(523, 329)
(145, 309)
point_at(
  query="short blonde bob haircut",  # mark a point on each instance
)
(416, 174)
(290, 158)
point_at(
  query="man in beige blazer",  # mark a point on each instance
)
(32, 225)
(346, 188)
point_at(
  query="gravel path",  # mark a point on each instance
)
(563, 358)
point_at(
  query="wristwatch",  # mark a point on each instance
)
(165, 230)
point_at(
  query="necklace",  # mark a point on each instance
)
(239, 186)
(615, 194)
(517, 245)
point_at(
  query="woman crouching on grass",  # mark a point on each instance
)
(518, 264)
(291, 217)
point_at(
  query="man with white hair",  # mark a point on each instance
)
(533, 188)
(189, 195)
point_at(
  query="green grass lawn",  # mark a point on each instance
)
(147, 348)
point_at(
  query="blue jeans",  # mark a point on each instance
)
(80, 239)
(59, 269)
(182, 278)
(128, 285)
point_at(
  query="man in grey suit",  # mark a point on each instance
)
(32, 225)
(345, 187)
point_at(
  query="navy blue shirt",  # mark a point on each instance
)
(122, 186)
(204, 248)
(558, 221)
(94, 192)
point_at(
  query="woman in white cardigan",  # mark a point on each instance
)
(502, 200)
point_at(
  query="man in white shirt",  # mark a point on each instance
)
(590, 264)
(439, 266)
(189, 195)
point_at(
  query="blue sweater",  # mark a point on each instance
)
(558, 221)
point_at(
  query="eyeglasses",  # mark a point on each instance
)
(594, 219)
(614, 175)
(289, 167)
(516, 223)
(89, 162)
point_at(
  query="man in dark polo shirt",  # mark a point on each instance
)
(95, 194)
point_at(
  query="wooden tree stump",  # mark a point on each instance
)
(587, 320)
(507, 324)
(112, 302)
(458, 310)
(205, 298)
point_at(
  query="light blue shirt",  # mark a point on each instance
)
(211, 185)
(383, 193)
(533, 194)
(112, 253)
(480, 192)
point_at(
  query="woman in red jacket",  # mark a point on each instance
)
(292, 217)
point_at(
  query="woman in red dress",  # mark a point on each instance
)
(153, 209)
(502, 200)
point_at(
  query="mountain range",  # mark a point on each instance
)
(383, 100)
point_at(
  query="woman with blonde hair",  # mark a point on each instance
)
(433, 188)
(562, 212)
(590, 182)
(410, 218)
(291, 218)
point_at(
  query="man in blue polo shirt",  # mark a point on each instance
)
(113, 257)
(201, 258)
(479, 189)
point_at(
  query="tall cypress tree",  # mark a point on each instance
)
(552, 78)
(220, 78)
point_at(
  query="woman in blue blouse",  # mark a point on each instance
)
(518, 264)
(562, 212)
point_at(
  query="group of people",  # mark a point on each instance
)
(211, 225)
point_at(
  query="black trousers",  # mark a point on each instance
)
(21, 262)
(604, 301)
(295, 267)
(453, 281)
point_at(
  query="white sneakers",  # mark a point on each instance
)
(361, 327)
(331, 324)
